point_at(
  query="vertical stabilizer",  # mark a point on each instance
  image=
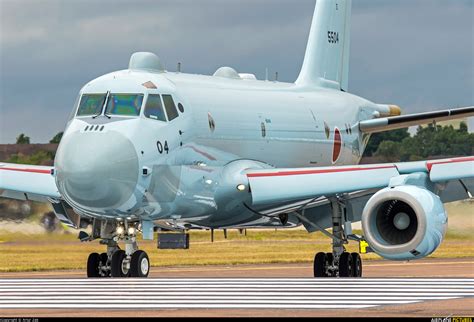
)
(326, 62)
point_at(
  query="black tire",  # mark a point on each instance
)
(345, 265)
(103, 262)
(117, 265)
(93, 265)
(329, 262)
(139, 264)
(356, 265)
(320, 265)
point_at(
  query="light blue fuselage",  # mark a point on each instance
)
(228, 126)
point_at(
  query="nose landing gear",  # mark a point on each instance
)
(139, 264)
(119, 263)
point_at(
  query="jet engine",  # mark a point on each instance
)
(404, 222)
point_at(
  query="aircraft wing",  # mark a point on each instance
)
(453, 177)
(27, 182)
(404, 121)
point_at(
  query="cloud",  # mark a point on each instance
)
(416, 53)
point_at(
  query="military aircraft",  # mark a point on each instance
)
(146, 148)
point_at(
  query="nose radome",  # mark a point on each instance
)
(97, 170)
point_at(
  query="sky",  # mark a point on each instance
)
(418, 54)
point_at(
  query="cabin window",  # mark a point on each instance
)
(171, 110)
(154, 108)
(124, 104)
(91, 104)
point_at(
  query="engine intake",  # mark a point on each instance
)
(404, 222)
(396, 222)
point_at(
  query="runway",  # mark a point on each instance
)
(430, 287)
(226, 293)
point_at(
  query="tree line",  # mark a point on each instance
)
(38, 158)
(24, 139)
(429, 142)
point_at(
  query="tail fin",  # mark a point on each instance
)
(326, 62)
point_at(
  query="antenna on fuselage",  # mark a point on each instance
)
(179, 67)
(276, 76)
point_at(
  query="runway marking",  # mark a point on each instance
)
(271, 293)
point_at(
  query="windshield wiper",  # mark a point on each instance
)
(105, 113)
(104, 103)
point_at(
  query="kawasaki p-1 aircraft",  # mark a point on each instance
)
(147, 149)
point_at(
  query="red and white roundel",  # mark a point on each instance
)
(336, 150)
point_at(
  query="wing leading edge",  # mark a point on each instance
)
(284, 185)
(27, 182)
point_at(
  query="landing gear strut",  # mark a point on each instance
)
(130, 262)
(339, 263)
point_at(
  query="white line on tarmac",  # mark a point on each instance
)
(226, 293)
(355, 293)
(182, 306)
(338, 298)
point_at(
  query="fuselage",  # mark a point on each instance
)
(185, 165)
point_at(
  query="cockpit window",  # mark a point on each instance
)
(154, 108)
(124, 104)
(91, 104)
(171, 110)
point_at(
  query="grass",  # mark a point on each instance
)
(23, 248)
(39, 252)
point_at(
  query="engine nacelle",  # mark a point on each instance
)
(404, 222)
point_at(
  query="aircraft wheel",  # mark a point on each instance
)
(329, 262)
(345, 265)
(356, 265)
(93, 265)
(119, 265)
(104, 272)
(320, 265)
(139, 264)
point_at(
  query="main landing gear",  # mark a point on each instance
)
(349, 265)
(130, 262)
(339, 263)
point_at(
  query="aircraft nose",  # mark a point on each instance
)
(97, 170)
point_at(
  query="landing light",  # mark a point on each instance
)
(120, 230)
(131, 230)
(241, 187)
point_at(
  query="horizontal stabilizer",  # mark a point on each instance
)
(404, 121)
